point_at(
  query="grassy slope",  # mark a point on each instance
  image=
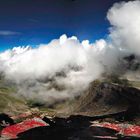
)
(9, 103)
(135, 84)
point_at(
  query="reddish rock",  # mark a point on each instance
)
(13, 130)
(124, 129)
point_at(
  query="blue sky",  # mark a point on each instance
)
(31, 22)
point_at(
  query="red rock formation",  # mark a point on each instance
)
(13, 130)
(124, 129)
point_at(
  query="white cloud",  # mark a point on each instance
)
(8, 33)
(125, 20)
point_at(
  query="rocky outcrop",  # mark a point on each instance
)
(80, 128)
(106, 98)
(5, 120)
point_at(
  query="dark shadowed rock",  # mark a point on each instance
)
(72, 128)
(5, 120)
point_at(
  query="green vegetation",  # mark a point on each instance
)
(9, 103)
(113, 78)
(135, 84)
(34, 103)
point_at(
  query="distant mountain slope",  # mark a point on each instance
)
(105, 98)
(9, 102)
(11, 105)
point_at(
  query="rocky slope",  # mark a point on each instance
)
(106, 98)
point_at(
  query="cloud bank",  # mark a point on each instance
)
(63, 68)
(125, 20)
